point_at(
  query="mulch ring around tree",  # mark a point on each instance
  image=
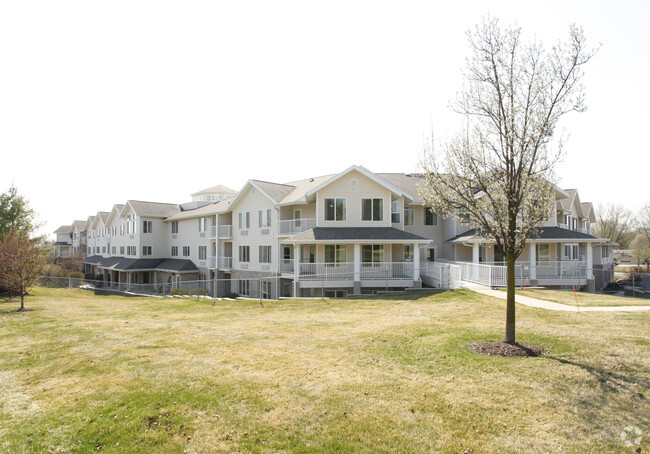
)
(518, 349)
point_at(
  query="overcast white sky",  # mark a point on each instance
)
(101, 102)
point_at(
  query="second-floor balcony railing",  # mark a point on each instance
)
(213, 232)
(225, 231)
(294, 226)
(212, 262)
(225, 263)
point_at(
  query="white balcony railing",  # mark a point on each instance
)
(494, 274)
(287, 265)
(225, 231)
(225, 263)
(327, 271)
(294, 226)
(345, 271)
(212, 262)
(213, 232)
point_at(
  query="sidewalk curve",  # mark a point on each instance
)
(533, 302)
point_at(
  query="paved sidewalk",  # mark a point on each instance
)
(533, 302)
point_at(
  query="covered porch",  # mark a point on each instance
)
(353, 258)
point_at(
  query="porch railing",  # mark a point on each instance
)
(345, 271)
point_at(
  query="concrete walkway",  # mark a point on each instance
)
(533, 302)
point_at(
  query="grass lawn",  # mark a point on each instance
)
(82, 374)
(584, 298)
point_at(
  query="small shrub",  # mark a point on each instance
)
(231, 295)
(76, 274)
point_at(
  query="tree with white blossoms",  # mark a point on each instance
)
(499, 170)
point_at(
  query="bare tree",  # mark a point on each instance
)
(499, 170)
(614, 222)
(643, 221)
(640, 248)
(21, 261)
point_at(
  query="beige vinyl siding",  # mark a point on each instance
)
(365, 189)
(253, 201)
(431, 232)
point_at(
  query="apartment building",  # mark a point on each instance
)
(333, 235)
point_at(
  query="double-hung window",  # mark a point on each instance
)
(174, 251)
(265, 254)
(372, 209)
(147, 226)
(395, 212)
(203, 252)
(146, 251)
(244, 254)
(174, 226)
(245, 220)
(409, 215)
(202, 224)
(264, 218)
(430, 218)
(571, 252)
(186, 251)
(335, 209)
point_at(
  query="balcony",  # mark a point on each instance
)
(294, 226)
(225, 263)
(213, 232)
(225, 231)
(212, 262)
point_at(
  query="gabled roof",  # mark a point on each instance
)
(63, 230)
(588, 211)
(277, 191)
(572, 199)
(218, 189)
(367, 173)
(102, 216)
(78, 225)
(115, 212)
(89, 223)
(151, 209)
(357, 234)
(207, 210)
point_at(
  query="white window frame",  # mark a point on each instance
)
(336, 212)
(374, 216)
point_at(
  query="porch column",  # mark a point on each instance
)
(296, 263)
(590, 262)
(475, 253)
(357, 269)
(533, 260)
(416, 262)
(357, 262)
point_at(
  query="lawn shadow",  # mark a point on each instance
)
(618, 392)
(411, 295)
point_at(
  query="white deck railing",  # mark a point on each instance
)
(295, 226)
(212, 262)
(213, 232)
(345, 271)
(494, 274)
(225, 231)
(225, 263)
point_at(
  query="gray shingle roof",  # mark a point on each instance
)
(545, 233)
(218, 189)
(128, 264)
(154, 209)
(274, 190)
(355, 234)
(63, 229)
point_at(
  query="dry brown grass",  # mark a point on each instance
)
(357, 375)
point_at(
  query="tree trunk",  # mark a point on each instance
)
(510, 301)
(22, 296)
